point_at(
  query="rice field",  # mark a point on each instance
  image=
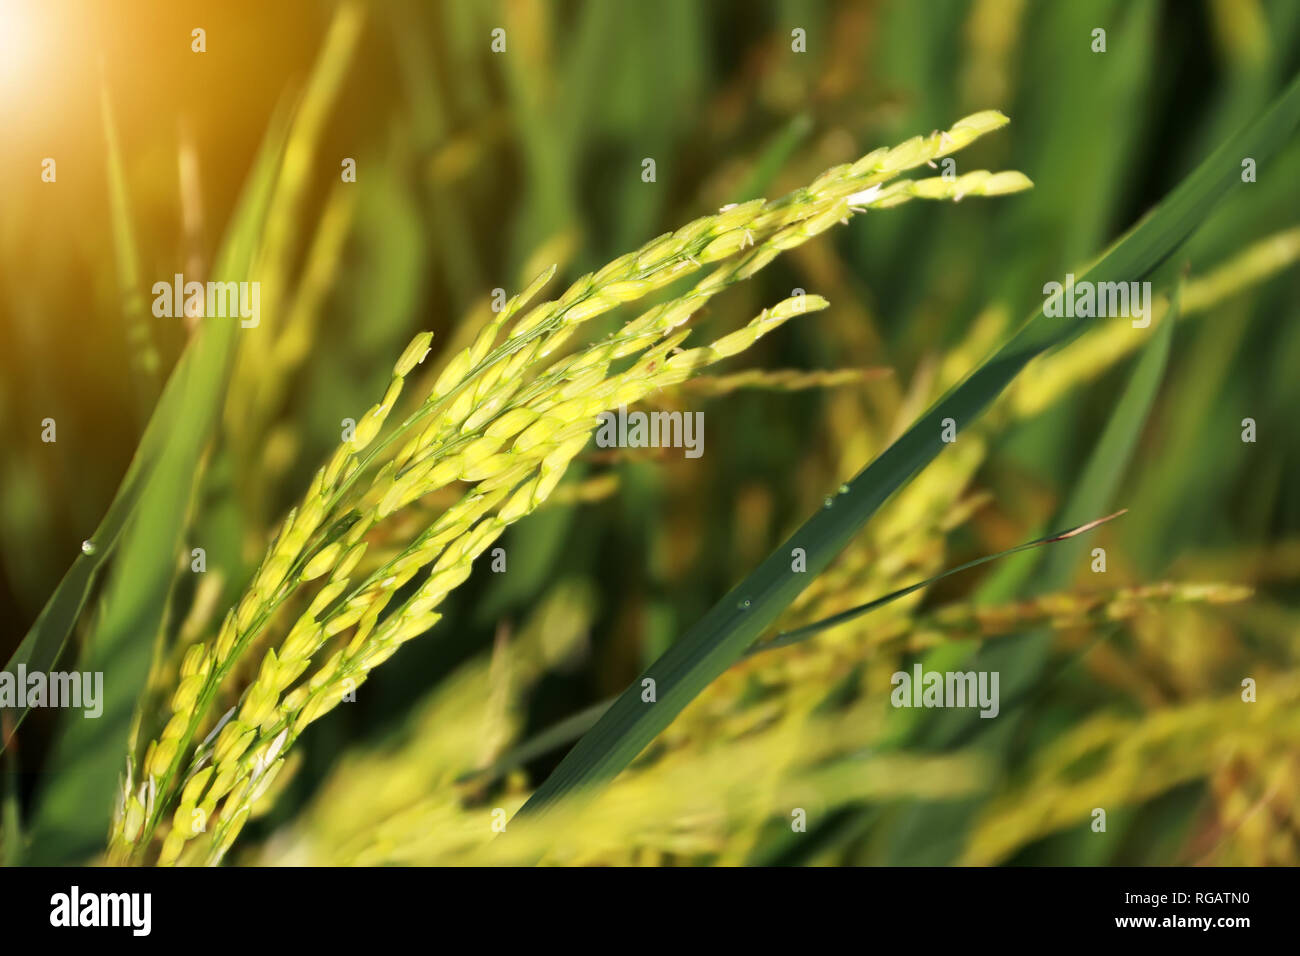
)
(672, 434)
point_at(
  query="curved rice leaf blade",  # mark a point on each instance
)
(786, 638)
(45, 640)
(574, 726)
(77, 798)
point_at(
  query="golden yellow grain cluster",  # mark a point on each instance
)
(505, 418)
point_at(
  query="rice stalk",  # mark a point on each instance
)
(505, 424)
(780, 380)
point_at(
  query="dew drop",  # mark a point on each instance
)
(87, 547)
(828, 501)
(844, 489)
(744, 604)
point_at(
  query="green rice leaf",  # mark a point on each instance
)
(147, 526)
(786, 638)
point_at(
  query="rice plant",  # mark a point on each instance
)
(504, 418)
(616, 656)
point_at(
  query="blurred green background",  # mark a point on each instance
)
(475, 169)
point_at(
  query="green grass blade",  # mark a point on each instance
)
(774, 156)
(786, 638)
(77, 799)
(45, 640)
(575, 725)
(724, 633)
(143, 354)
(43, 643)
